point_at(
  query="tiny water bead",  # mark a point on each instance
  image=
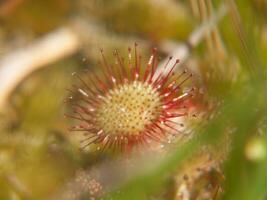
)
(126, 106)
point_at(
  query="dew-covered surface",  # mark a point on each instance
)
(128, 109)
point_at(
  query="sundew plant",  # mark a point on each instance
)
(128, 106)
(133, 100)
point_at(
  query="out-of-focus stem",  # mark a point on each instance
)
(20, 63)
(182, 51)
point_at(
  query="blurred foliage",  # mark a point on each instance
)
(151, 19)
(34, 15)
(226, 158)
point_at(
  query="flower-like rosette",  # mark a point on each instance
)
(127, 105)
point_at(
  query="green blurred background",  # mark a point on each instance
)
(223, 157)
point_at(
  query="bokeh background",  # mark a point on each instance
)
(224, 44)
